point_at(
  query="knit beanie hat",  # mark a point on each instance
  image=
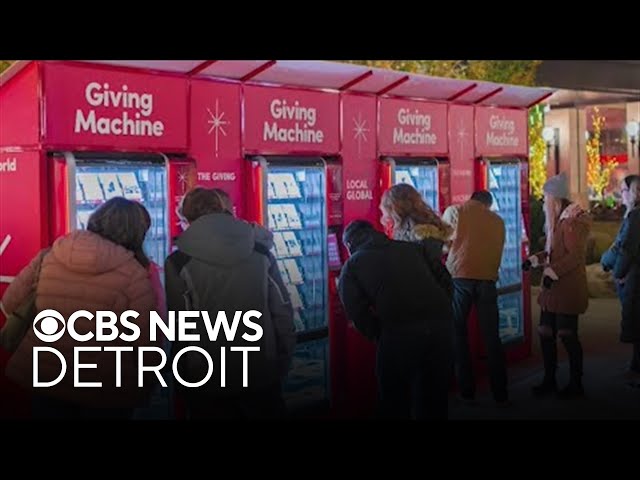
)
(557, 186)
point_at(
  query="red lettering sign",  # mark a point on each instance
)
(501, 131)
(412, 127)
(285, 121)
(113, 109)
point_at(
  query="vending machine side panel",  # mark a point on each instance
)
(353, 356)
(23, 233)
(182, 175)
(444, 185)
(20, 112)
(215, 131)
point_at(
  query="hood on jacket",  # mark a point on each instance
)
(375, 239)
(576, 213)
(222, 239)
(419, 232)
(87, 252)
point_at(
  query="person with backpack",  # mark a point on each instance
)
(224, 264)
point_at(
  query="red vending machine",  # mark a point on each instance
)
(105, 132)
(501, 140)
(413, 148)
(291, 140)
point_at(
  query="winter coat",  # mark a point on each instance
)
(476, 250)
(433, 239)
(224, 264)
(569, 294)
(84, 271)
(623, 260)
(387, 285)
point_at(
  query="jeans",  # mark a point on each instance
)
(413, 369)
(484, 295)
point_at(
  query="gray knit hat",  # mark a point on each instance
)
(557, 186)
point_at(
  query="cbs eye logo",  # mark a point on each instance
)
(49, 326)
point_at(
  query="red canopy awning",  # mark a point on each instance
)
(337, 76)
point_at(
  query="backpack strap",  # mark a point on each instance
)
(179, 260)
(261, 249)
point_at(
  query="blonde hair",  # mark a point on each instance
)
(553, 207)
(403, 203)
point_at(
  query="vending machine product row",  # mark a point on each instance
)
(502, 179)
(420, 173)
(294, 194)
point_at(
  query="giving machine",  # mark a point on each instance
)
(105, 133)
(291, 143)
(501, 141)
(413, 148)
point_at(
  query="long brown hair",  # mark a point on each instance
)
(202, 201)
(403, 203)
(122, 222)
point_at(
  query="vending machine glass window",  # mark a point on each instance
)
(296, 214)
(424, 178)
(504, 185)
(97, 182)
(141, 181)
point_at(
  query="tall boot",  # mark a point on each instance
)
(574, 350)
(550, 359)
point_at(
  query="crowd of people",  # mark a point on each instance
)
(409, 288)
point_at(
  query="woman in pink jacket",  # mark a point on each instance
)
(101, 268)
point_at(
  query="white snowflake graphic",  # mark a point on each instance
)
(461, 134)
(3, 246)
(182, 179)
(360, 131)
(217, 124)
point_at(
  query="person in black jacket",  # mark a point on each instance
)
(393, 298)
(623, 260)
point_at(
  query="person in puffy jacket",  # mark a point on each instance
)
(101, 268)
(623, 260)
(564, 296)
(224, 264)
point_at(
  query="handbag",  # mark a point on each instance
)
(21, 319)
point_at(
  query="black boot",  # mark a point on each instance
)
(574, 389)
(550, 358)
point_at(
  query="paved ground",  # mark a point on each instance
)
(605, 360)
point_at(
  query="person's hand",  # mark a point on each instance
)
(549, 277)
(531, 262)
(547, 282)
